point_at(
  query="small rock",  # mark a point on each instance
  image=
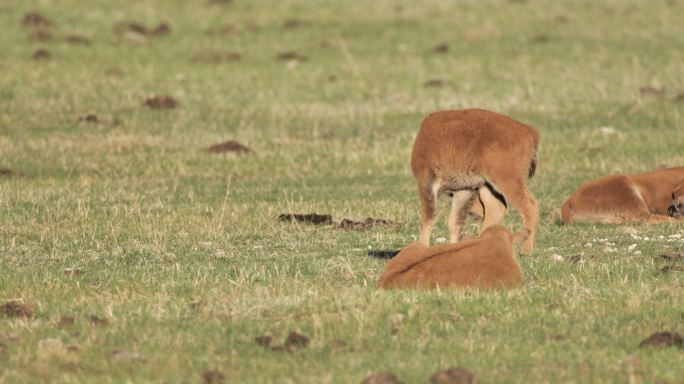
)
(556, 257)
(440, 240)
(631, 248)
(161, 102)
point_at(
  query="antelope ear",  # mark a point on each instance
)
(521, 235)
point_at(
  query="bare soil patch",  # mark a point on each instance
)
(230, 146)
(291, 55)
(161, 102)
(292, 24)
(453, 376)
(369, 222)
(649, 90)
(40, 35)
(66, 321)
(6, 172)
(36, 19)
(265, 340)
(313, 218)
(540, 39)
(216, 57)
(213, 377)
(17, 309)
(41, 54)
(77, 39)
(296, 340)
(136, 31)
(89, 118)
(434, 83)
(663, 340)
(381, 378)
(441, 48)
(96, 320)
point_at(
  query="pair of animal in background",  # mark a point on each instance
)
(481, 160)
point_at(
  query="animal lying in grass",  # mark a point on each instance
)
(486, 261)
(651, 197)
(481, 159)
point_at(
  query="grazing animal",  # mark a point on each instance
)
(651, 197)
(485, 261)
(475, 155)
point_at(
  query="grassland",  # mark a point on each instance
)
(179, 251)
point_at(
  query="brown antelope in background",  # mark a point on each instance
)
(481, 159)
(651, 197)
(486, 261)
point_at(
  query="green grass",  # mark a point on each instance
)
(181, 250)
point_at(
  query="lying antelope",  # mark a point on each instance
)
(651, 197)
(485, 261)
(480, 159)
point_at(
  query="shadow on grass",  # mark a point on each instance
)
(383, 253)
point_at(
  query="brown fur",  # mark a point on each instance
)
(651, 197)
(475, 155)
(485, 261)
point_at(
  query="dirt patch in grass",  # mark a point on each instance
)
(17, 309)
(6, 172)
(225, 29)
(540, 39)
(365, 224)
(291, 55)
(115, 72)
(96, 320)
(265, 340)
(216, 57)
(381, 378)
(434, 83)
(36, 19)
(441, 48)
(230, 146)
(136, 31)
(88, 118)
(213, 377)
(40, 35)
(76, 39)
(649, 90)
(679, 97)
(456, 375)
(319, 219)
(313, 218)
(663, 340)
(41, 54)
(292, 24)
(66, 321)
(161, 102)
(296, 340)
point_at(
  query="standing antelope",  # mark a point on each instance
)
(486, 261)
(473, 154)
